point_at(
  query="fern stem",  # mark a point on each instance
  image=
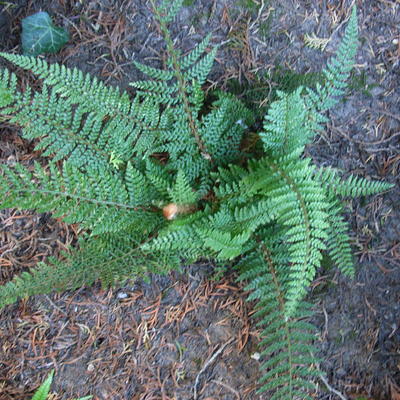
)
(181, 83)
(268, 258)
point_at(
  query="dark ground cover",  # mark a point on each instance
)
(187, 336)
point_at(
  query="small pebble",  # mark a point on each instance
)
(90, 367)
(122, 295)
(256, 356)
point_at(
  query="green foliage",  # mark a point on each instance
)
(337, 71)
(288, 81)
(43, 391)
(287, 345)
(162, 177)
(358, 82)
(250, 5)
(40, 36)
(264, 90)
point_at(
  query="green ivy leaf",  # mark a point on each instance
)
(40, 36)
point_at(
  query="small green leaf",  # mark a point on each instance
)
(43, 391)
(40, 36)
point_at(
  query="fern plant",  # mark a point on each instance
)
(163, 177)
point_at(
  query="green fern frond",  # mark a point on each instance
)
(80, 116)
(181, 241)
(74, 86)
(159, 91)
(250, 217)
(64, 132)
(338, 243)
(287, 342)
(110, 258)
(338, 69)
(43, 391)
(8, 88)
(140, 191)
(226, 245)
(285, 126)
(181, 192)
(352, 186)
(298, 204)
(95, 199)
(194, 55)
(70, 132)
(155, 73)
(167, 9)
(223, 127)
(229, 173)
(200, 70)
(204, 234)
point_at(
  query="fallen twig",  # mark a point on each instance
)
(207, 364)
(331, 389)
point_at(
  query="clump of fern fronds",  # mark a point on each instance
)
(162, 177)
